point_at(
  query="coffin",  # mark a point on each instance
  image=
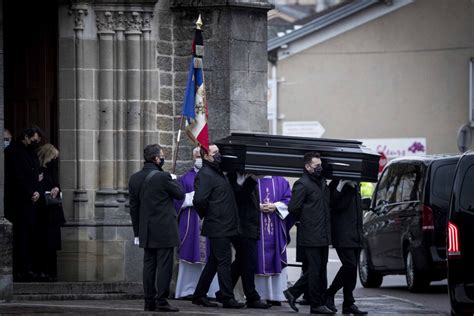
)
(264, 154)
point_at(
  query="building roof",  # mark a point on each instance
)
(321, 21)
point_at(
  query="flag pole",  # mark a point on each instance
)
(175, 156)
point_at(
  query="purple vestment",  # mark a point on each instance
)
(271, 247)
(193, 247)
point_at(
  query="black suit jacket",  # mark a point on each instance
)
(152, 211)
(215, 202)
(310, 204)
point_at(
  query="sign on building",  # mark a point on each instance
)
(303, 128)
(397, 147)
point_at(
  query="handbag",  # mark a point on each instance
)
(49, 200)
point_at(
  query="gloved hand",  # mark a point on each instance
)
(342, 183)
(136, 241)
(173, 176)
(188, 200)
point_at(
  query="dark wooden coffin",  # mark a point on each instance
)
(263, 154)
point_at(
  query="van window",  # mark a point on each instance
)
(466, 197)
(382, 186)
(407, 189)
(443, 181)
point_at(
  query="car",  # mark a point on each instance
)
(404, 227)
(460, 250)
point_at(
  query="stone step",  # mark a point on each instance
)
(77, 290)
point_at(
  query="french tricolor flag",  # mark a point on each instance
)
(195, 101)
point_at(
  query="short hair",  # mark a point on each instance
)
(309, 156)
(196, 150)
(204, 151)
(151, 151)
(30, 132)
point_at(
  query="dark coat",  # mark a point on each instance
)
(21, 181)
(346, 216)
(248, 204)
(152, 209)
(310, 204)
(50, 217)
(215, 202)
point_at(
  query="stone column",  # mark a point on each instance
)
(134, 111)
(120, 104)
(149, 106)
(106, 99)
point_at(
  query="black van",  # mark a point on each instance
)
(405, 225)
(460, 250)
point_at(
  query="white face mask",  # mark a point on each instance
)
(198, 163)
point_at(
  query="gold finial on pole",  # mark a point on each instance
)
(199, 22)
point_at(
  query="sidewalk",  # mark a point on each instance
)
(376, 305)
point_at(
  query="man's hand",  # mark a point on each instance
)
(35, 197)
(173, 176)
(267, 207)
(136, 241)
(54, 192)
(40, 177)
(188, 200)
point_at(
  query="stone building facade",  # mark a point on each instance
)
(121, 74)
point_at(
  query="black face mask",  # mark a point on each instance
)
(34, 144)
(217, 158)
(162, 162)
(318, 171)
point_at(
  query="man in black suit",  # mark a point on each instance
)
(346, 228)
(21, 197)
(152, 192)
(310, 204)
(215, 202)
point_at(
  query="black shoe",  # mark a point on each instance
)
(150, 306)
(204, 301)
(291, 300)
(166, 308)
(329, 302)
(219, 297)
(274, 303)
(258, 304)
(232, 303)
(303, 301)
(321, 310)
(353, 309)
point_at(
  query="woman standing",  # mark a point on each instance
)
(50, 214)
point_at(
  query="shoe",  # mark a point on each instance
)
(150, 306)
(166, 308)
(329, 302)
(304, 301)
(219, 297)
(204, 301)
(232, 303)
(258, 304)
(353, 309)
(274, 303)
(321, 310)
(291, 300)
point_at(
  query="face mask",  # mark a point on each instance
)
(162, 162)
(34, 144)
(6, 143)
(198, 163)
(217, 158)
(318, 170)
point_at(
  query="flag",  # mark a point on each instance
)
(195, 101)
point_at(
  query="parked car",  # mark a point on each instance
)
(460, 239)
(405, 225)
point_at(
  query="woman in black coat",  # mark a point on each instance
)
(50, 214)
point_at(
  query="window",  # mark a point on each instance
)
(466, 197)
(443, 181)
(382, 186)
(407, 189)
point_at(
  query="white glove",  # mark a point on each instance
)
(342, 183)
(136, 241)
(241, 178)
(173, 176)
(188, 200)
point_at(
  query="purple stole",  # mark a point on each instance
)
(193, 247)
(271, 248)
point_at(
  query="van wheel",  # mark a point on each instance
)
(416, 280)
(368, 277)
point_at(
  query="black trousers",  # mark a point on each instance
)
(157, 270)
(219, 261)
(346, 277)
(23, 248)
(244, 266)
(315, 278)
